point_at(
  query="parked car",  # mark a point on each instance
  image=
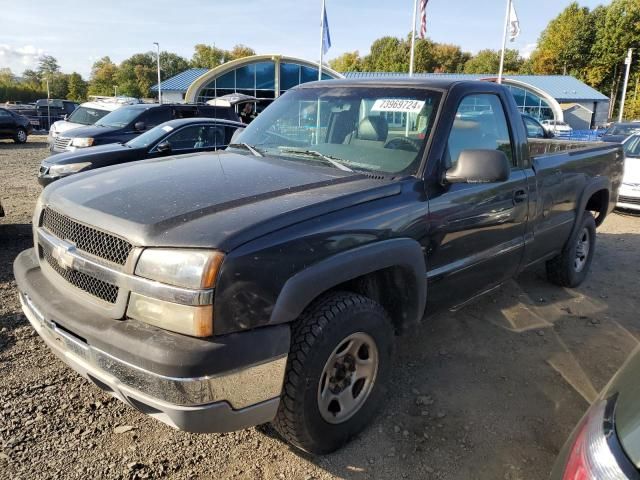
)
(535, 128)
(14, 126)
(87, 113)
(557, 128)
(629, 196)
(216, 291)
(187, 135)
(617, 132)
(128, 122)
(51, 110)
(606, 443)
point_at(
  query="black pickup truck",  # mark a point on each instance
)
(267, 283)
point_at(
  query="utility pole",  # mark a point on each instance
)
(158, 62)
(627, 61)
(115, 90)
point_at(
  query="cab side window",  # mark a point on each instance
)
(534, 130)
(480, 123)
(155, 116)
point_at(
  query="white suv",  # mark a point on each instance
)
(87, 114)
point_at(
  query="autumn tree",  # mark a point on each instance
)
(347, 62)
(488, 62)
(171, 64)
(77, 88)
(103, 77)
(239, 51)
(208, 56)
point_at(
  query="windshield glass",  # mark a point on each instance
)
(623, 129)
(363, 128)
(149, 137)
(86, 116)
(119, 118)
(632, 147)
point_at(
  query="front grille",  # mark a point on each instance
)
(44, 170)
(61, 143)
(632, 200)
(103, 290)
(101, 244)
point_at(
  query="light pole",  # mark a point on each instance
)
(626, 83)
(115, 90)
(158, 62)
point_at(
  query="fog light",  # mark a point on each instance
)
(189, 320)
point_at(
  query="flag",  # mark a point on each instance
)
(326, 36)
(514, 24)
(423, 18)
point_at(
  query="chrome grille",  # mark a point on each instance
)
(61, 143)
(101, 244)
(631, 200)
(102, 290)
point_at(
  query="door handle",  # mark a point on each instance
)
(520, 196)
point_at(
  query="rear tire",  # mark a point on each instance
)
(337, 371)
(21, 136)
(570, 268)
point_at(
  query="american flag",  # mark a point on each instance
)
(423, 18)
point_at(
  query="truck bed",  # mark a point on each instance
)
(543, 146)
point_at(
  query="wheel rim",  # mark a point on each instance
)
(348, 378)
(582, 250)
(22, 136)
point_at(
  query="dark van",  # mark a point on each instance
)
(128, 122)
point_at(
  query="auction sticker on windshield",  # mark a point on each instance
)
(397, 105)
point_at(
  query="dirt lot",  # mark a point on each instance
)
(489, 392)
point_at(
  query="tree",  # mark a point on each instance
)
(565, 45)
(103, 77)
(347, 62)
(240, 51)
(137, 74)
(47, 65)
(206, 56)
(388, 54)
(439, 57)
(31, 77)
(6, 76)
(58, 85)
(77, 88)
(488, 62)
(171, 64)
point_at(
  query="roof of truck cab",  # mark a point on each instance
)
(435, 83)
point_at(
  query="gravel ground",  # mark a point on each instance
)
(489, 392)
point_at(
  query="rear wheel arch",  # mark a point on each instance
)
(390, 272)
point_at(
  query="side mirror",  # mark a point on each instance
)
(139, 126)
(164, 147)
(480, 166)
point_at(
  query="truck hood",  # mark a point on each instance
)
(92, 131)
(631, 170)
(208, 200)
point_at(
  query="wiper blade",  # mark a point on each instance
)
(246, 146)
(313, 153)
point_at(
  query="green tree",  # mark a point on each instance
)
(447, 58)
(240, 51)
(137, 74)
(47, 65)
(171, 64)
(206, 56)
(565, 45)
(388, 54)
(347, 62)
(31, 77)
(103, 77)
(77, 88)
(6, 76)
(488, 62)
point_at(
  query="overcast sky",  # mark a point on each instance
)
(77, 32)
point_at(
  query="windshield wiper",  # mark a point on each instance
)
(246, 146)
(313, 153)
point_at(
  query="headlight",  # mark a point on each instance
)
(182, 268)
(68, 168)
(82, 142)
(185, 319)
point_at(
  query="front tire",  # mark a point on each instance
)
(337, 372)
(570, 268)
(21, 136)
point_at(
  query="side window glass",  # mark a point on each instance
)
(155, 117)
(4, 114)
(533, 129)
(188, 138)
(480, 123)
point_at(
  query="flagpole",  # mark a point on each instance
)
(321, 41)
(413, 39)
(504, 40)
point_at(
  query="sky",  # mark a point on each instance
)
(78, 33)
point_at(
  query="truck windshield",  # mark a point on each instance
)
(361, 128)
(632, 147)
(623, 129)
(86, 116)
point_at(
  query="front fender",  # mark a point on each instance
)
(301, 289)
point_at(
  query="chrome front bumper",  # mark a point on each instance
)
(227, 402)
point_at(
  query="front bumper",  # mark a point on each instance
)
(629, 197)
(200, 387)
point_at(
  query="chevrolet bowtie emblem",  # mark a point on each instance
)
(62, 254)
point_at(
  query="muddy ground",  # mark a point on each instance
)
(489, 392)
